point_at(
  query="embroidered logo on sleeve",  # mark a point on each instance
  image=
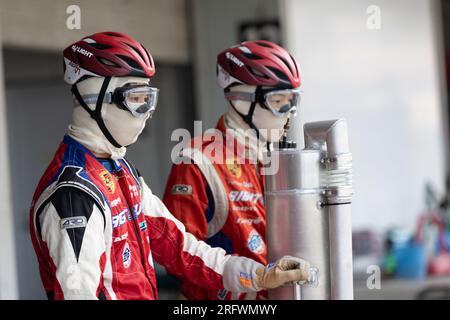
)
(182, 189)
(73, 222)
(126, 256)
(246, 280)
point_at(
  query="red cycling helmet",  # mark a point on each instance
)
(107, 54)
(257, 63)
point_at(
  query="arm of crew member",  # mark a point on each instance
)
(193, 260)
(186, 198)
(71, 226)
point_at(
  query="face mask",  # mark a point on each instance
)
(269, 125)
(123, 126)
(119, 122)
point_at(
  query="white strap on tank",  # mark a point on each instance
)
(217, 188)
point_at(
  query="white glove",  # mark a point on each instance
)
(285, 270)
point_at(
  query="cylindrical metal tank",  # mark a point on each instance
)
(296, 224)
(308, 200)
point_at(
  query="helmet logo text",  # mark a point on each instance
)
(234, 59)
(84, 52)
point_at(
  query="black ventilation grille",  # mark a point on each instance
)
(100, 46)
(279, 74)
(251, 56)
(285, 62)
(262, 44)
(295, 63)
(146, 51)
(112, 34)
(136, 50)
(257, 73)
(130, 62)
(107, 62)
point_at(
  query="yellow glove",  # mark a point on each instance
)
(285, 270)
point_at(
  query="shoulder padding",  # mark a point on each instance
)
(215, 183)
(72, 176)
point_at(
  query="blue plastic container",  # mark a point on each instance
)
(411, 261)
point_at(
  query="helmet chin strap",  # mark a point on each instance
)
(97, 113)
(248, 118)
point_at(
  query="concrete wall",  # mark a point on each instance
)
(161, 25)
(388, 84)
(8, 271)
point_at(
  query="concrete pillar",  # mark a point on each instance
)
(8, 270)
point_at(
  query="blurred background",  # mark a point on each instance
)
(382, 65)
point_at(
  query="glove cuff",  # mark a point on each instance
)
(240, 274)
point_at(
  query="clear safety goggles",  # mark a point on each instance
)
(279, 102)
(140, 100)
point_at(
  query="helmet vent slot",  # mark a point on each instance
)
(279, 74)
(113, 34)
(257, 73)
(295, 63)
(99, 46)
(263, 44)
(146, 51)
(130, 62)
(135, 50)
(285, 62)
(251, 56)
(107, 62)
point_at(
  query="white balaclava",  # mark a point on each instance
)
(121, 124)
(270, 127)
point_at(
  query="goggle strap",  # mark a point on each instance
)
(81, 101)
(92, 98)
(239, 95)
(98, 114)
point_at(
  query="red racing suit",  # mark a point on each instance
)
(96, 228)
(219, 198)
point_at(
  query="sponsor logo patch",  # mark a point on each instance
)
(126, 256)
(120, 218)
(134, 191)
(116, 202)
(245, 184)
(73, 222)
(248, 220)
(182, 189)
(233, 167)
(255, 242)
(243, 195)
(245, 279)
(121, 238)
(243, 208)
(137, 210)
(107, 178)
(143, 225)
